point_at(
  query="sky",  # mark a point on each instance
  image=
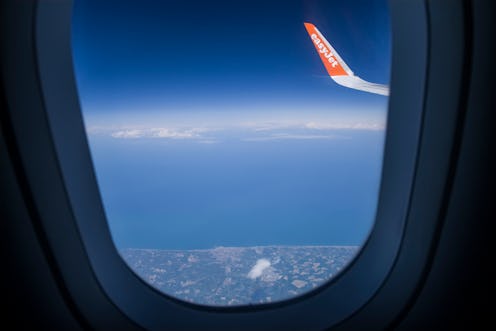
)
(144, 56)
(215, 96)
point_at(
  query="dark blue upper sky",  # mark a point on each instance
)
(176, 56)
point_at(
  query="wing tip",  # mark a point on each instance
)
(308, 25)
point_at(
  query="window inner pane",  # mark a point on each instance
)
(233, 168)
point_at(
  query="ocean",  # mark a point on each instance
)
(287, 190)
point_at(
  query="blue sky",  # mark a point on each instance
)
(220, 56)
(176, 93)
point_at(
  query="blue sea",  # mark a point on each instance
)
(186, 194)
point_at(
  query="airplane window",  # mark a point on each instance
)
(237, 144)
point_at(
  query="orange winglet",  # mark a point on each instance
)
(325, 51)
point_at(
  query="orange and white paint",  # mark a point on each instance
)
(337, 68)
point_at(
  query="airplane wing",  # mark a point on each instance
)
(337, 68)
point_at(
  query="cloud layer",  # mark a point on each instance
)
(167, 133)
(245, 131)
(288, 136)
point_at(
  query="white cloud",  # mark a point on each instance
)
(287, 136)
(173, 134)
(315, 124)
(135, 133)
(345, 126)
(270, 130)
(164, 133)
(259, 267)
